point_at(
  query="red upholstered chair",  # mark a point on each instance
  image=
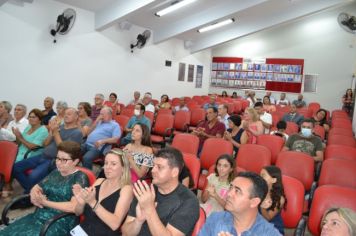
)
(193, 165)
(341, 131)
(212, 149)
(230, 108)
(164, 111)
(319, 131)
(253, 157)
(339, 114)
(154, 102)
(313, 107)
(122, 121)
(163, 129)
(8, 152)
(297, 165)
(185, 142)
(237, 107)
(305, 112)
(292, 213)
(328, 196)
(341, 123)
(341, 140)
(197, 116)
(275, 118)
(129, 112)
(175, 101)
(273, 143)
(338, 172)
(181, 121)
(245, 104)
(151, 116)
(89, 173)
(292, 128)
(340, 152)
(130, 106)
(199, 224)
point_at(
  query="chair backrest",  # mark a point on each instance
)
(130, 106)
(154, 102)
(328, 196)
(273, 143)
(185, 142)
(313, 107)
(292, 128)
(197, 115)
(237, 107)
(181, 120)
(8, 152)
(340, 152)
(212, 149)
(175, 101)
(341, 131)
(245, 104)
(305, 112)
(89, 173)
(164, 111)
(129, 112)
(319, 131)
(253, 157)
(199, 224)
(151, 116)
(294, 192)
(193, 165)
(341, 123)
(122, 121)
(275, 118)
(341, 140)
(163, 122)
(297, 165)
(338, 172)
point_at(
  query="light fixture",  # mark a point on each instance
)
(216, 25)
(176, 5)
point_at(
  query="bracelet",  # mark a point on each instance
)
(95, 206)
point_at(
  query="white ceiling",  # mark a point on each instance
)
(250, 16)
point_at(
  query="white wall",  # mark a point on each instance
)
(327, 49)
(84, 62)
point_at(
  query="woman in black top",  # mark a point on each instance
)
(235, 134)
(320, 119)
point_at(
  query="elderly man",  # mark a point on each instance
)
(299, 103)
(5, 116)
(136, 98)
(246, 193)
(166, 207)
(306, 142)
(283, 101)
(147, 98)
(48, 112)
(103, 131)
(98, 104)
(19, 123)
(40, 164)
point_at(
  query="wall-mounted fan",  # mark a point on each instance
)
(347, 22)
(65, 22)
(141, 40)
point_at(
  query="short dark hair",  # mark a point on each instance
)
(215, 110)
(173, 156)
(236, 119)
(37, 112)
(309, 121)
(259, 186)
(86, 107)
(142, 107)
(258, 104)
(281, 124)
(71, 148)
(113, 94)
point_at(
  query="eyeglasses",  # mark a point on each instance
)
(63, 160)
(32, 117)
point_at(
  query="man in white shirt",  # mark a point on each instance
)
(20, 123)
(283, 101)
(147, 102)
(265, 117)
(223, 115)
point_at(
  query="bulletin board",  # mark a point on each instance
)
(273, 74)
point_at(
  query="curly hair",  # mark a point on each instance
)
(277, 191)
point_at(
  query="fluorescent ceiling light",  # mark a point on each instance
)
(174, 7)
(216, 25)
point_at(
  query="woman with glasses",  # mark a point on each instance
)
(53, 195)
(84, 120)
(106, 203)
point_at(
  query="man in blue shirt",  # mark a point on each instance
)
(103, 131)
(241, 217)
(138, 117)
(211, 103)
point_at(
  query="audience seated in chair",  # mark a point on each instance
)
(281, 128)
(283, 101)
(84, 120)
(271, 98)
(299, 103)
(182, 106)
(264, 116)
(61, 106)
(103, 133)
(252, 125)
(247, 192)
(338, 221)
(215, 193)
(211, 103)
(98, 105)
(268, 105)
(306, 142)
(53, 196)
(293, 116)
(136, 98)
(113, 103)
(223, 115)
(48, 112)
(320, 119)
(275, 200)
(139, 117)
(5, 116)
(164, 104)
(251, 98)
(147, 98)
(19, 124)
(41, 163)
(165, 207)
(105, 204)
(235, 133)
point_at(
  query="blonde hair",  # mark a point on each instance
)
(348, 215)
(126, 175)
(253, 113)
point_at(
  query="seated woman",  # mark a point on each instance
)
(281, 128)
(60, 108)
(234, 95)
(252, 125)
(320, 119)
(275, 200)
(224, 94)
(32, 137)
(215, 194)
(113, 103)
(338, 221)
(139, 152)
(107, 202)
(267, 106)
(53, 195)
(235, 134)
(84, 120)
(164, 104)
(347, 102)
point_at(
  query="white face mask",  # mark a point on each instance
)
(306, 132)
(136, 112)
